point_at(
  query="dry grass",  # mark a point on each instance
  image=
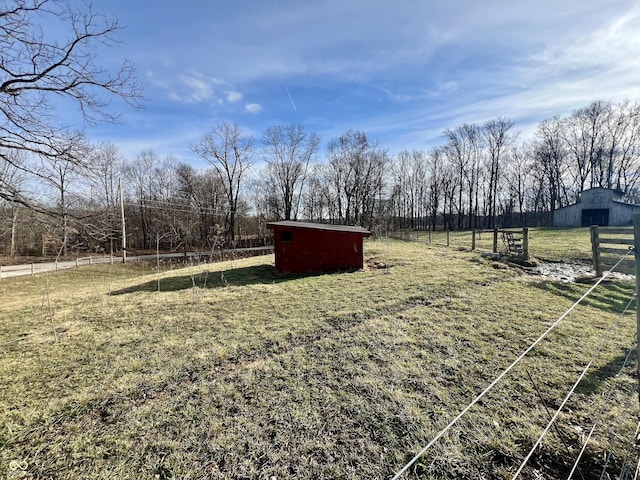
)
(548, 244)
(231, 372)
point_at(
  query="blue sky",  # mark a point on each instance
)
(401, 71)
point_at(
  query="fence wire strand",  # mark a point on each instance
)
(584, 447)
(455, 420)
(607, 393)
(612, 328)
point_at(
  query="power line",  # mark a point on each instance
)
(178, 209)
(173, 202)
(164, 202)
(507, 370)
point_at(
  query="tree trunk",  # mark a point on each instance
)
(14, 225)
(65, 234)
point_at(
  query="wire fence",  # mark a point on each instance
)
(36, 268)
(498, 378)
(630, 472)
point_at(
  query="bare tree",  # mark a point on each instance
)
(39, 65)
(172, 220)
(164, 213)
(60, 173)
(231, 155)
(438, 182)
(584, 133)
(205, 193)
(497, 140)
(518, 175)
(289, 151)
(106, 167)
(12, 180)
(140, 176)
(464, 151)
(356, 177)
(410, 187)
(316, 196)
(455, 150)
(550, 163)
(622, 154)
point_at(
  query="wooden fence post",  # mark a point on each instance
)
(495, 240)
(595, 243)
(525, 243)
(473, 239)
(636, 251)
(32, 269)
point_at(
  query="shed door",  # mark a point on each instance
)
(595, 216)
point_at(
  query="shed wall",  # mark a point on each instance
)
(317, 250)
(312, 250)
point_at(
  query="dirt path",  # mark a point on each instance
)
(35, 268)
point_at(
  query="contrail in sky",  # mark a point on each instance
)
(291, 98)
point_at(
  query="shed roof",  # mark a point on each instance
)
(319, 226)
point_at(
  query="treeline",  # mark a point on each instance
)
(481, 176)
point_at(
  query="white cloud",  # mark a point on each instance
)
(563, 74)
(252, 107)
(360, 39)
(192, 88)
(434, 65)
(233, 96)
(199, 87)
(615, 45)
(195, 87)
(601, 64)
(154, 80)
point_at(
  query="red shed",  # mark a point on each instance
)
(316, 247)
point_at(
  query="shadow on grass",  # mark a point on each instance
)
(259, 274)
(609, 296)
(593, 381)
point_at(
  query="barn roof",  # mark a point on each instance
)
(617, 194)
(319, 226)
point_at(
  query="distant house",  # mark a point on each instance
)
(598, 206)
(315, 247)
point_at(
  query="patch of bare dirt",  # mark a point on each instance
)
(375, 263)
(572, 272)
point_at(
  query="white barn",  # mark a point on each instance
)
(598, 206)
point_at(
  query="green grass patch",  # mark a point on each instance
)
(229, 371)
(548, 244)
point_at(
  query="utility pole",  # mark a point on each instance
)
(124, 232)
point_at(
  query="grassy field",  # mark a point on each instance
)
(227, 371)
(574, 244)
